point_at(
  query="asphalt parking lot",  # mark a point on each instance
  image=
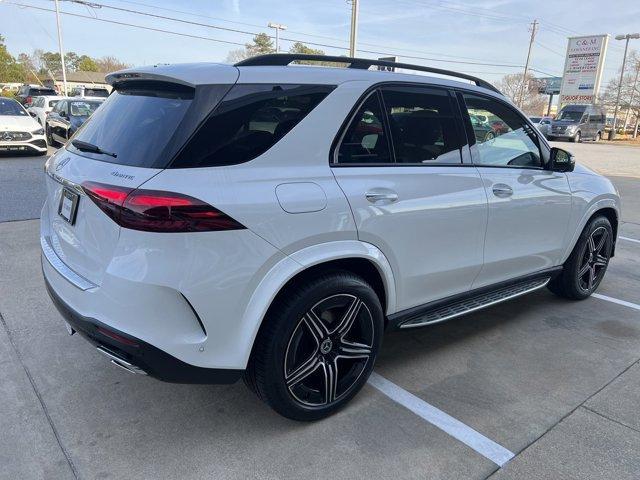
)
(535, 388)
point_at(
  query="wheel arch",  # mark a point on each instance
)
(607, 207)
(361, 258)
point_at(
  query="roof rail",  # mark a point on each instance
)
(284, 59)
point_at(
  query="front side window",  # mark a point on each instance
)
(365, 140)
(423, 128)
(504, 139)
(248, 122)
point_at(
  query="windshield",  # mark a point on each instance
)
(572, 115)
(95, 92)
(11, 107)
(84, 108)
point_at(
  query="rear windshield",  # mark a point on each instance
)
(249, 121)
(41, 91)
(136, 123)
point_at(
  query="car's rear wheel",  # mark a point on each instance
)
(50, 140)
(489, 136)
(317, 346)
(585, 268)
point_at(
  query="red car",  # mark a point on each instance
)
(499, 127)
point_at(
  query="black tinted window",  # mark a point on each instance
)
(423, 128)
(96, 92)
(136, 123)
(249, 121)
(42, 91)
(365, 140)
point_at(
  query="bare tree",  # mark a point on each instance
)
(533, 103)
(629, 107)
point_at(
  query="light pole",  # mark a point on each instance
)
(627, 37)
(354, 28)
(64, 70)
(278, 27)
(534, 28)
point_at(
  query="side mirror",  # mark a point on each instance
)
(561, 160)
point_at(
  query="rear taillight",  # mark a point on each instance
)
(156, 211)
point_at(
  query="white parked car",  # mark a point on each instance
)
(41, 106)
(19, 132)
(212, 222)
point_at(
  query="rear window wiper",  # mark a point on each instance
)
(90, 147)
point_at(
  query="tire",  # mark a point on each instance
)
(489, 136)
(597, 138)
(309, 337)
(575, 282)
(577, 138)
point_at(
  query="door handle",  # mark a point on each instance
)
(501, 190)
(382, 197)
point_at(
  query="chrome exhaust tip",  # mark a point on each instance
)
(120, 362)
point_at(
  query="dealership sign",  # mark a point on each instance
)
(583, 69)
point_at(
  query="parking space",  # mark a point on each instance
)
(553, 382)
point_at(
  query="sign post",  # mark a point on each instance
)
(583, 67)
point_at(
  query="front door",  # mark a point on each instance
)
(401, 169)
(529, 206)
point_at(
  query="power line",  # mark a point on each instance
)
(413, 57)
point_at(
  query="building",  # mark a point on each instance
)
(77, 79)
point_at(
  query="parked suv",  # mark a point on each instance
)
(27, 93)
(579, 122)
(259, 220)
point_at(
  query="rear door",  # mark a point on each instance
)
(400, 164)
(529, 206)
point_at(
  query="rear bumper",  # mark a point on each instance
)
(139, 355)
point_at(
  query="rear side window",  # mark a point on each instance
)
(423, 128)
(365, 141)
(248, 122)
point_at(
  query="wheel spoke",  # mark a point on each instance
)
(317, 326)
(601, 261)
(586, 267)
(592, 245)
(330, 381)
(601, 243)
(346, 322)
(353, 350)
(592, 277)
(303, 371)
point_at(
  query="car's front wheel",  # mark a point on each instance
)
(317, 346)
(585, 268)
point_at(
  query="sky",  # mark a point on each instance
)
(443, 34)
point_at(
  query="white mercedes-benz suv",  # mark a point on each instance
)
(271, 221)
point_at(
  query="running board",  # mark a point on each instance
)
(474, 302)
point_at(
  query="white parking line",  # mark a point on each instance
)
(458, 430)
(628, 239)
(615, 300)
